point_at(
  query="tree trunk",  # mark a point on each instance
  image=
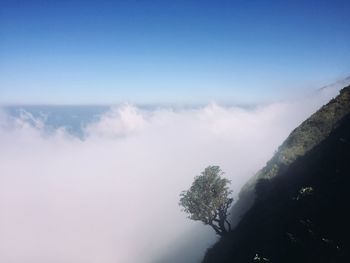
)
(217, 230)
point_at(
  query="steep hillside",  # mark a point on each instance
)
(301, 140)
(300, 211)
(309, 134)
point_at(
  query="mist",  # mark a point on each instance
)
(113, 195)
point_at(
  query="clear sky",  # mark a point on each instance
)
(145, 51)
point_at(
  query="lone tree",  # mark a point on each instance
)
(208, 200)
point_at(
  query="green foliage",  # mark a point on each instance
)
(208, 199)
(304, 138)
(315, 129)
(301, 214)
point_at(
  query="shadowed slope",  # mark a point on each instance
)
(300, 211)
(301, 140)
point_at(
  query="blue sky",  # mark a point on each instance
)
(81, 52)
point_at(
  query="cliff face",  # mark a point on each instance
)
(300, 210)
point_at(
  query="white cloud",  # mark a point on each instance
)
(113, 197)
(118, 122)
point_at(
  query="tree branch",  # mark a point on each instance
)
(216, 229)
(229, 225)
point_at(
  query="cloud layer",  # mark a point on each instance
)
(113, 197)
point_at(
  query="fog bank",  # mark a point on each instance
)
(113, 196)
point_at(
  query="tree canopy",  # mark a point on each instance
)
(208, 199)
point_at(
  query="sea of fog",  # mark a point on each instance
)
(87, 184)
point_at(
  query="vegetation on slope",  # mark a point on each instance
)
(301, 140)
(300, 210)
(309, 134)
(301, 214)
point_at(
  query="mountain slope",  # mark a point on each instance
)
(301, 140)
(300, 210)
(309, 134)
